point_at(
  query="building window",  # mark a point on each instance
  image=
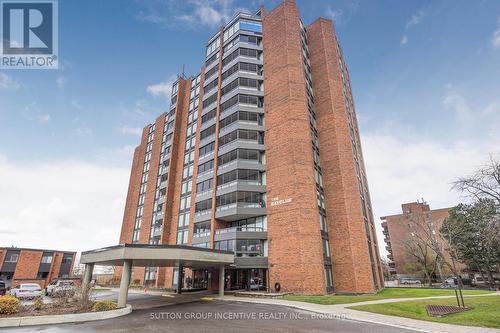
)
(11, 257)
(47, 259)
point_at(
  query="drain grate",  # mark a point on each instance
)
(443, 310)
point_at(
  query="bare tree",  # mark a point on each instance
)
(484, 183)
(424, 244)
(423, 255)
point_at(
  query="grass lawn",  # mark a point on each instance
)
(485, 311)
(383, 294)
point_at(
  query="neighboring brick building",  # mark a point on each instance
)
(20, 265)
(399, 230)
(235, 164)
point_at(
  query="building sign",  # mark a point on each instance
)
(276, 201)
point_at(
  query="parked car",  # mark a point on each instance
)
(410, 281)
(26, 290)
(58, 287)
(256, 284)
(3, 290)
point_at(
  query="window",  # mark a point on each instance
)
(203, 205)
(12, 257)
(211, 60)
(240, 115)
(47, 259)
(208, 116)
(204, 186)
(242, 154)
(240, 174)
(249, 53)
(67, 259)
(251, 26)
(211, 85)
(240, 82)
(326, 248)
(207, 132)
(328, 276)
(207, 166)
(211, 72)
(241, 134)
(207, 149)
(226, 245)
(233, 197)
(213, 46)
(249, 248)
(242, 99)
(210, 100)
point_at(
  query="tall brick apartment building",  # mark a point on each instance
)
(260, 154)
(18, 265)
(399, 230)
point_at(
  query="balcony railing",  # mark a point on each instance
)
(203, 212)
(241, 205)
(239, 181)
(201, 234)
(240, 228)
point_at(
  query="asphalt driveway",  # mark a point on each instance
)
(194, 314)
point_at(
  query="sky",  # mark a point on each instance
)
(425, 77)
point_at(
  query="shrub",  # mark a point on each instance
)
(104, 305)
(38, 305)
(9, 305)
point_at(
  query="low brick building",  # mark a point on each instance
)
(19, 265)
(400, 228)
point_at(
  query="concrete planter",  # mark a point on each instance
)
(64, 318)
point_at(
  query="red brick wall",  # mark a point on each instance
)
(400, 234)
(172, 201)
(348, 242)
(295, 248)
(28, 264)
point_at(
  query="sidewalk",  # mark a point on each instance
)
(342, 309)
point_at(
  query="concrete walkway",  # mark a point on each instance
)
(342, 311)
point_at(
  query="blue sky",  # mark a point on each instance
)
(425, 75)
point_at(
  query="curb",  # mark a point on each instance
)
(64, 318)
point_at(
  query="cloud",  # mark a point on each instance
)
(191, 14)
(342, 16)
(76, 104)
(43, 119)
(78, 206)
(401, 170)
(131, 130)
(8, 83)
(495, 40)
(61, 82)
(415, 19)
(84, 131)
(162, 89)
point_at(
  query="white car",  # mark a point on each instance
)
(60, 287)
(26, 290)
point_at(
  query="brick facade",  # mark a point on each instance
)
(398, 231)
(294, 240)
(28, 264)
(353, 268)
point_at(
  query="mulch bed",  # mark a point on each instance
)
(443, 310)
(48, 309)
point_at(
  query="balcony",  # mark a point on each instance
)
(204, 215)
(240, 210)
(240, 232)
(201, 237)
(241, 164)
(241, 185)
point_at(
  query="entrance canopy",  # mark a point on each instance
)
(143, 255)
